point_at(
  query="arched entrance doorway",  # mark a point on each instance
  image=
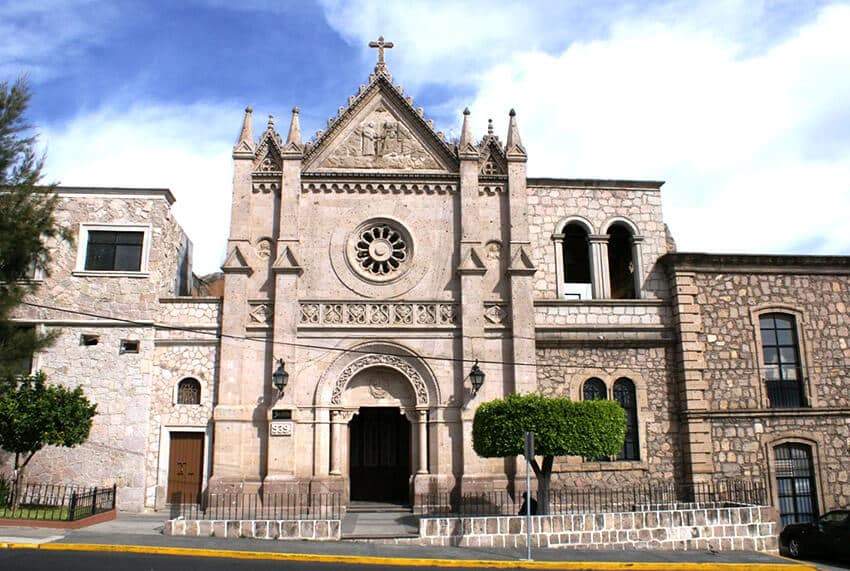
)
(379, 456)
(380, 443)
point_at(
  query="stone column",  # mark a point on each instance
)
(558, 243)
(690, 361)
(637, 262)
(521, 270)
(600, 273)
(423, 441)
(336, 441)
(232, 416)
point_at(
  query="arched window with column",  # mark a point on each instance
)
(189, 391)
(621, 261)
(576, 260)
(624, 394)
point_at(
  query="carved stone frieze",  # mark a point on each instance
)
(394, 314)
(396, 362)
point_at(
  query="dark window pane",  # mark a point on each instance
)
(784, 337)
(766, 321)
(795, 484)
(789, 373)
(770, 355)
(128, 258)
(576, 255)
(787, 355)
(768, 336)
(624, 393)
(784, 322)
(114, 251)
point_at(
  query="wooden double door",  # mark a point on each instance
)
(379, 456)
(185, 467)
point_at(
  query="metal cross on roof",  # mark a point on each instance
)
(381, 45)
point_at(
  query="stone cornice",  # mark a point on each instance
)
(756, 263)
(380, 187)
(116, 192)
(769, 413)
(602, 184)
(600, 302)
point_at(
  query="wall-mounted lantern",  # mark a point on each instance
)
(476, 377)
(280, 377)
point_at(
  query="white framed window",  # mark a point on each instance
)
(113, 250)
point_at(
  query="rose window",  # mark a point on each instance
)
(380, 250)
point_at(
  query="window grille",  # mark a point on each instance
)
(189, 392)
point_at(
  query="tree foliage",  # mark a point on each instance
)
(34, 414)
(561, 427)
(27, 223)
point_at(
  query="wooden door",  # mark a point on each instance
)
(380, 456)
(185, 467)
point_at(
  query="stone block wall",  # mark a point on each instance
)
(318, 530)
(550, 204)
(733, 369)
(563, 370)
(720, 529)
(120, 386)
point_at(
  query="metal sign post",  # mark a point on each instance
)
(529, 454)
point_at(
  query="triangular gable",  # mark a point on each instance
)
(235, 262)
(471, 263)
(521, 264)
(268, 157)
(286, 262)
(380, 130)
(492, 159)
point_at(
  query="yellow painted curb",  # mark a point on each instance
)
(405, 561)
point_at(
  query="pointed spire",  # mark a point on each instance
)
(466, 147)
(245, 141)
(293, 138)
(514, 148)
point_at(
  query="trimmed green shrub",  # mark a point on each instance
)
(561, 427)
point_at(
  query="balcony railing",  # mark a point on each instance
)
(786, 394)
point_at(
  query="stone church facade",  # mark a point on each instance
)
(376, 264)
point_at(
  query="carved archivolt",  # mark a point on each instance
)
(398, 363)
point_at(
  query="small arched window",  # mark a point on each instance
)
(189, 391)
(621, 263)
(576, 252)
(594, 389)
(624, 393)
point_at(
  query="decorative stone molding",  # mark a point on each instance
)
(490, 189)
(265, 186)
(496, 314)
(394, 314)
(398, 363)
(400, 187)
(380, 250)
(261, 314)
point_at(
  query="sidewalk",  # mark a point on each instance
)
(143, 533)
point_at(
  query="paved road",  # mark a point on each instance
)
(28, 560)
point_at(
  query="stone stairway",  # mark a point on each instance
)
(372, 520)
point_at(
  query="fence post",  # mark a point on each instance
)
(114, 495)
(94, 501)
(72, 505)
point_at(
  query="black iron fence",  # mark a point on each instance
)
(268, 506)
(645, 497)
(54, 502)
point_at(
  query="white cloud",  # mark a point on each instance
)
(184, 148)
(745, 127)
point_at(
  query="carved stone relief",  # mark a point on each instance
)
(263, 248)
(380, 141)
(496, 314)
(261, 314)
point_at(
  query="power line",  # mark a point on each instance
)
(264, 340)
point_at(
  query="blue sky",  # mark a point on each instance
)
(741, 106)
